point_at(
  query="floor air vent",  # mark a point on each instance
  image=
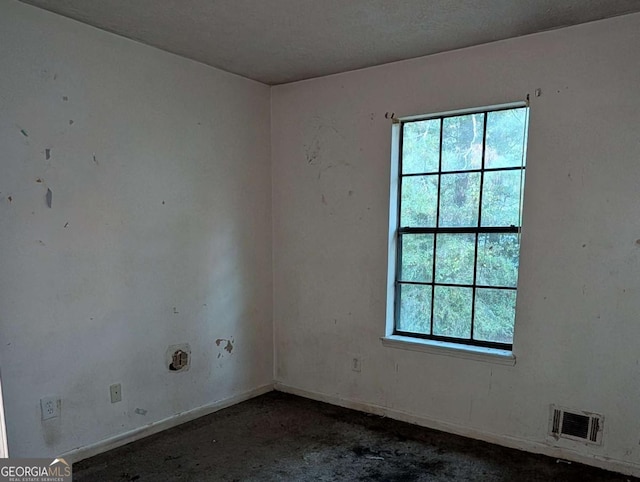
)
(583, 426)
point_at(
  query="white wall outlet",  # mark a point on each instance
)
(50, 407)
(356, 363)
(116, 393)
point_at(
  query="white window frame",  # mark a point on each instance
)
(440, 347)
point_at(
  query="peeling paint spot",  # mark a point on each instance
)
(140, 411)
(65, 98)
(39, 180)
(24, 133)
(228, 347)
(175, 312)
(47, 154)
(70, 122)
(66, 225)
(41, 243)
(162, 202)
(49, 197)
(95, 160)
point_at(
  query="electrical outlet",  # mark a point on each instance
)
(50, 407)
(116, 393)
(356, 364)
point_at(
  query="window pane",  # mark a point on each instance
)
(462, 142)
(505, 138)
(417, 257)
(415, 308)
(495, 314)
(501, 198)
(452, 311)
(498, 256)
(459, 199)
(420, 146)
(419, 201)
(454, 258)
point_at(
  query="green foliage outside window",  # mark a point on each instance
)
(461, 188)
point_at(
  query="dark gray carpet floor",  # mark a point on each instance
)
(280, 437)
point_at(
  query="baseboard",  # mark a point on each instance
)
(87, 451)
(601, 462)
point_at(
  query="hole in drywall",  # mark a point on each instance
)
(179, 357)
(179, 360)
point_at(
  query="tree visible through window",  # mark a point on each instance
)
(460, 207)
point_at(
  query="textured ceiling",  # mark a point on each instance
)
(278, 41)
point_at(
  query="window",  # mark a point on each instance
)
(459, 201)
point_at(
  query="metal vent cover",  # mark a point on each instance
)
(576, 425)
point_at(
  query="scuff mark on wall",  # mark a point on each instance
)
(47, 154)
(24, 133)
(95, 160)
(49, 197)
(312, 151)
(140, 411)
(320, 130)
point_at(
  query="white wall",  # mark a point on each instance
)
(577, 330)
(164, 237)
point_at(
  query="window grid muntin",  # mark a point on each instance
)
(477, 230)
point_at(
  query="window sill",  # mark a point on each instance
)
(489, 355)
